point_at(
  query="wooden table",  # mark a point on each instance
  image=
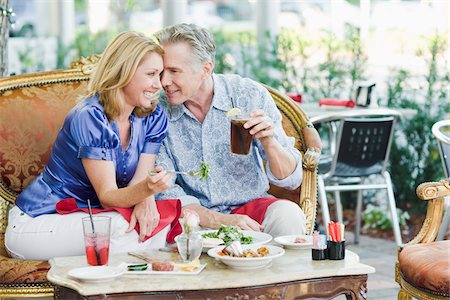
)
(292, 276)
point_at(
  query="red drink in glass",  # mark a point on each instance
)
(97, 249)
(96, 239)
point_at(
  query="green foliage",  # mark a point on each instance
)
(87, 43)
(414, 155)
(378, 219)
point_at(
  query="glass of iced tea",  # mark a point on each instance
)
(241, 139)
(96, 239)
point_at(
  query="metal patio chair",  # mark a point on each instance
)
(362, 149)
(441, 130)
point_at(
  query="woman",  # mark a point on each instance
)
(104, 151)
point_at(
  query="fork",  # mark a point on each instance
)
(140, 256)
(190, 173)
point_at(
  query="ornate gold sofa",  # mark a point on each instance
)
(423, 266)
(32, 109)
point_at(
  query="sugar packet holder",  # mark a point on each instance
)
(336, 241)
(319, 249)
(332, 248)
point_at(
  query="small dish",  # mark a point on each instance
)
(259, 238)
(248, 263)
(97, 273)
(288, 241)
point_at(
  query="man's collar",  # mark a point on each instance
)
(221, 98)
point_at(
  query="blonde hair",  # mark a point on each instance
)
(116, 67)
(200, 40)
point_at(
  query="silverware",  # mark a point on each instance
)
(190, 173)
(140, 256)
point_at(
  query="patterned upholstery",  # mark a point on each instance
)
(32, 109)
(27, 131)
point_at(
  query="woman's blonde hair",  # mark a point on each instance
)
(115, 69)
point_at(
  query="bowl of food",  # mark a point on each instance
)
(227, 234)
(250, 258)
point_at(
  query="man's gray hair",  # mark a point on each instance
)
(201, 41)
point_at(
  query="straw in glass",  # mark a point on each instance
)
(97, 255)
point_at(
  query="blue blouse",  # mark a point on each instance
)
(87, 133)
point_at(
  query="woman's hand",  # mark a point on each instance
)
(147, 216)
(159, 181)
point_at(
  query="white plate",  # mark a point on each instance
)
(288, 241)
(259, 238)
(247, 263)
(177, 270)
(97, 273)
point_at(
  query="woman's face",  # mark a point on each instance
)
(145, 82)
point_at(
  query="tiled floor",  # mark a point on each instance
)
(382, 255)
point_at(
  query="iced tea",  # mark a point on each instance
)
(241, 139)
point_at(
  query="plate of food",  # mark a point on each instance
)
(164, 268)
(227, 234)
(248, 257)
(295, 241)
(96, 273)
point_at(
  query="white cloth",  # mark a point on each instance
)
(284, 217)
(52, 235)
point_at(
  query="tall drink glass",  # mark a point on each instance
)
(241, 139)
(96, 239)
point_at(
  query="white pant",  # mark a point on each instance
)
(284, 217)
(52, 235)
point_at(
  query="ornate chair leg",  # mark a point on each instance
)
(403, 295)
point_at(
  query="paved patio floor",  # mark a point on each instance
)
(382, 255)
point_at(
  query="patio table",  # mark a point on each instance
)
(321, 114)
(294, 275)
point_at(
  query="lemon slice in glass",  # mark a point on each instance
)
(233, 112)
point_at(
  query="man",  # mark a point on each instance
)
(199, 131)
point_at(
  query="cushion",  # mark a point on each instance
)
(427, 266)
(30, 120)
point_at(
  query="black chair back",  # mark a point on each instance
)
(363, 146)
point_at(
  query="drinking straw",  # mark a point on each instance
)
(97, 255)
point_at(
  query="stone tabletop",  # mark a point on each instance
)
(294, 265)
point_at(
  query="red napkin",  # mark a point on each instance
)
(295, 97)
(169, 212)
(337, 102)
(255, 209)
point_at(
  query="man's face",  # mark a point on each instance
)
(183, 75)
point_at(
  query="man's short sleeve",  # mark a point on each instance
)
(156, 130)
(93, 134)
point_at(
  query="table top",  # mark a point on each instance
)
(318, 114)
(294, 265)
